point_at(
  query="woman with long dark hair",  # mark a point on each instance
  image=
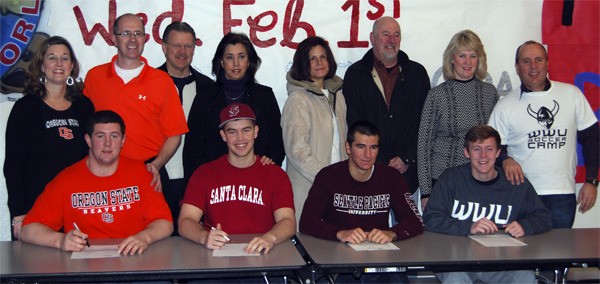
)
(234, 64)
(45, 129)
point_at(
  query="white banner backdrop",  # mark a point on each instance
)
(427, 26)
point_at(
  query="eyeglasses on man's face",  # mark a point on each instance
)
(130, 34)
(180, 46)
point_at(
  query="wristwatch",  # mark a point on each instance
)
(593, 181)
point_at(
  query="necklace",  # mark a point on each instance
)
(233, 98)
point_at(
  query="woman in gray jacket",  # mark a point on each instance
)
(313, 118)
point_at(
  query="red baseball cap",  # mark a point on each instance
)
(236, 111)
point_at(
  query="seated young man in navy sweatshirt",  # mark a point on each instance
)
(476, 198)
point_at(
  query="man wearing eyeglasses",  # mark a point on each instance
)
(179, 43)
(144, 96)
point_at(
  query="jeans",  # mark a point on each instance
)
(562, 207)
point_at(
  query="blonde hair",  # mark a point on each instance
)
(465, 40)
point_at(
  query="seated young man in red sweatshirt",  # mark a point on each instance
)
(105, 195)
(237, 193)
(350, 201)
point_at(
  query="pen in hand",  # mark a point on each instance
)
(213, 228)
(226, 238)
(87, 243)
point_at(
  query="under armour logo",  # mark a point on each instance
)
(142, 97)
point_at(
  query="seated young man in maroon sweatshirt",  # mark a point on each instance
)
(350, 201)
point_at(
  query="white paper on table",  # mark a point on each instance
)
(97, 251)
(233, 250)
(497, 240)
(373, 246)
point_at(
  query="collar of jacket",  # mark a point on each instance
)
(333, 85)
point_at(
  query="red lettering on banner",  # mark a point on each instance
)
(371, 15)
(228, 22)
(35, 10)
(353, 42)
(257, 24)
(396, 9)
(291, 23)
(255, 27)
(176, 14)
(90, 35)
(21, 27)
(380, 9)
(7, 49)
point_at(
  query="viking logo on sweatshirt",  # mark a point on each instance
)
(544, 116)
